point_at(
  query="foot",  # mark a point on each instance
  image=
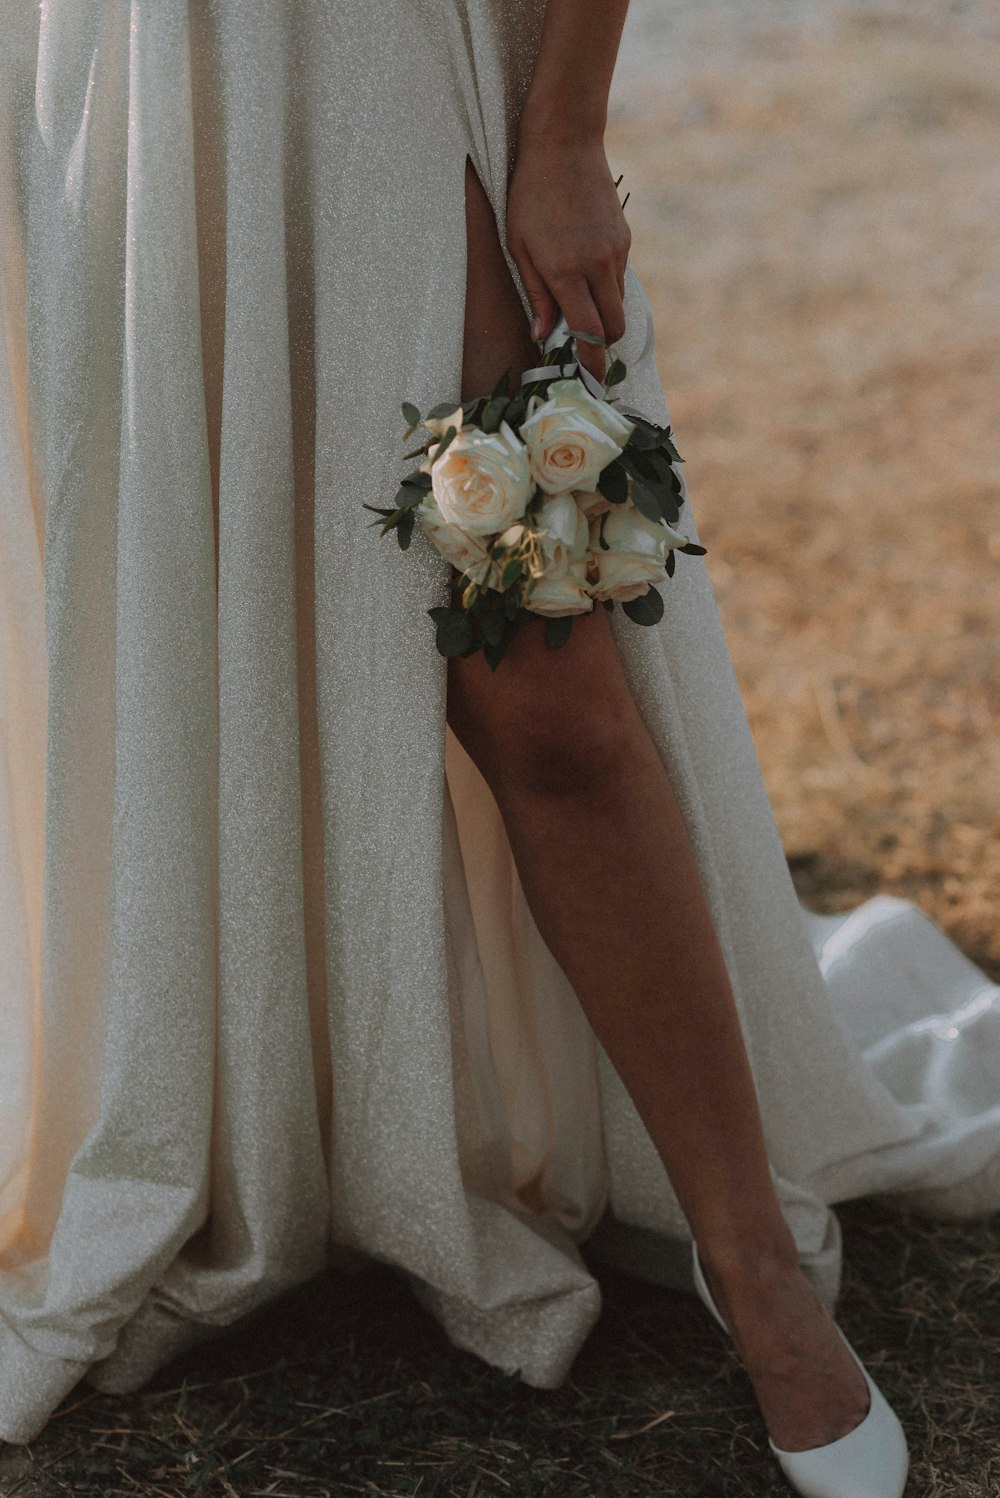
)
(809, 1388)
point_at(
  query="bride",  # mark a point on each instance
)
(313, 943)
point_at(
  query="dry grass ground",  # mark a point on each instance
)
(815, 219)
(816, 224)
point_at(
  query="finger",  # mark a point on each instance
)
(573, 296)
(608, 299)
(544, 307)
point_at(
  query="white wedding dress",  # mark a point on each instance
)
(270, 994)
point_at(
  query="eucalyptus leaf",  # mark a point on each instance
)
(671, 563)
(490, 616)
(494, 654)
(511, 572)
(441, 410)
(516, 409)
(616, 373)
(502, 385)
(493, 413)
(409, 495)
(416, 479)
(646, 609)
(454, 633)
(411, 414)
(692, 549)
(404, 530)
(446, 442)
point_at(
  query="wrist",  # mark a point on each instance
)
(553, 122)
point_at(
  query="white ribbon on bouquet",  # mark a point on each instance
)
(557, 337)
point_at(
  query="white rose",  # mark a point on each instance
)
(563, 593)
(571, 436)
(637, 556)
(559, 519)
(465, 552)
(482, 481)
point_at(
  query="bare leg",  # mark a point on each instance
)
(611, 880)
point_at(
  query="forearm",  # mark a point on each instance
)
(573, 70)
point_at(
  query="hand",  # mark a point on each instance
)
(568, 237)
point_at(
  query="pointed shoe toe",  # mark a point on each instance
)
(871, 1461)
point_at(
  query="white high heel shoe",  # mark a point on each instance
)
(871, 1461)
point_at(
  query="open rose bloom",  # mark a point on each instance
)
(547, 502)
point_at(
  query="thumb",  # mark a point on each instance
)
(544, 307)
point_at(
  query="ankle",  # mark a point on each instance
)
(748, 1259)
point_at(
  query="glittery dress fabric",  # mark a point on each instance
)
(271, 999)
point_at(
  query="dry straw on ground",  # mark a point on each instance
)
(814, 217)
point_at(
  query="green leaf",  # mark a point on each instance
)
(670, 563)
(441, 612)
(494, 654)
(645, 434)
(518, 406)
(646, 502)
(557, 630)
(501, 386)
(641, 464)
(416, 480)
(404, 530)
(379, 510)
(616, 373)
(693, 549)
(454, 633)
(490, 616)
(512, 602)
(409, 495)
(411, 414)
(446, 442)
(646, 609)
(493, 413)
(660, 464)
(613, 482)
(600, 534)
(670, 510)
(511, 572)
(441, 410)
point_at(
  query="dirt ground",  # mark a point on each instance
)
(814, 216)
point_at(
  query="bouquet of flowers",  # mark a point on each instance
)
(547, 502)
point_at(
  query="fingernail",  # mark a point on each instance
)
(536, 328)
